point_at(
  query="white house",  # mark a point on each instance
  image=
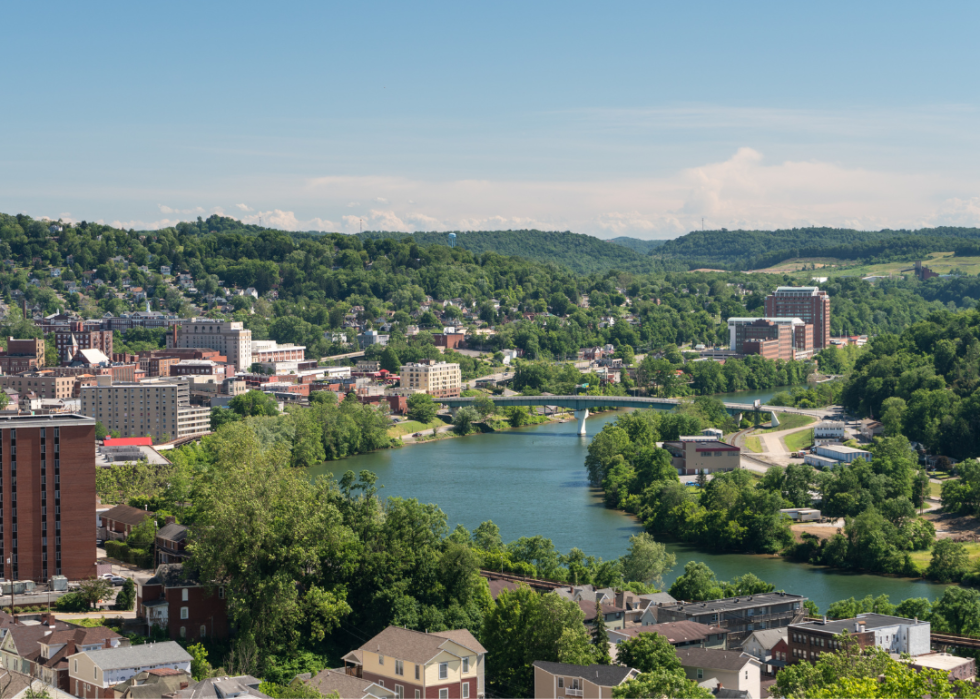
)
(92, 672)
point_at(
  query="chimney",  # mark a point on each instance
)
(170, 519)
(825, 618)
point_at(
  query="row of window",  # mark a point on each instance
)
(443, 693)
(399, 665)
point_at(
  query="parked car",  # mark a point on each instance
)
(117, 581)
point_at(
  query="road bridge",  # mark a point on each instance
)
(581, 404)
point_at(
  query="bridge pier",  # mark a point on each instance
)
(581, 416)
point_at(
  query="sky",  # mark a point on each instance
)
(641, 119)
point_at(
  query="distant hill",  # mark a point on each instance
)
(580, 253)
(746, 250)
(644, 247)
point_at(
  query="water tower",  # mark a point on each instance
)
(452, 240)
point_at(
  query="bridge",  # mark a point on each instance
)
(581, 404)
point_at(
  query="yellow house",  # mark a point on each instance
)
(560, 680)
(441, 665)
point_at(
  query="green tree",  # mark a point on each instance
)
(517, 415)
(646, 560)
(600, 637)
(143, 535)
(648, 652)
(389, 360)
(95, 590)
(697, 583)
(463, 419)
(200, 667)
(957, 612)
(253, 403)
(487, 537)
(126, 597)
(661, 683)
(222, 416)
(100, 431)
(422, 408)
(949, 561)
(484, 406)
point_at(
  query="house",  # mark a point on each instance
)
(892, 634)
(171, 541)
(163, 681)
(680, 634)
(415, 664)
(829, 431)
(871, 429)
(693, 456)
(94, 673)
(726, 669)
(615, 617)
(175, 600)
(214, 687)
(120, 520)
(769, 646)
(345, 685)
(739, 615)
(649, 605)
(566, 680)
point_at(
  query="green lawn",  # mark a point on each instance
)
(799, 440)
(789, 421)
(752, 444)
(935, 489)
(922, 558)
(413, 426)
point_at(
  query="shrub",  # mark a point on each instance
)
(117, 550)
(71, 602)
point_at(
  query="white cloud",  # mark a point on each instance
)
(164, 209)
(244, 207)
(288, 221)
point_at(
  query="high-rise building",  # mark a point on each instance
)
(435, 378)
(77, 336)
(809, 304)
(228, 337)
(772, 338)
(156, 407)
(47, 497)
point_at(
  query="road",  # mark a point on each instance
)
(502, 376)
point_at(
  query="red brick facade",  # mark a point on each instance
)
(206, 611)
(454, 689)
(52, 463)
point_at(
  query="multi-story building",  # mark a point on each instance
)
(93, 673)
(772, 338)
(44, 383)
(80, 336)
(22, 355)
(693, 456)
(739, 615)
(372, 337)
(829, 431)
(435, 378)
(40, 650)
(154, 407)
(892, 634)
(228, 337)
(271, 351)
(566, 680)
(176, 601)
(47, 496)
(807, 303)
(438, 665)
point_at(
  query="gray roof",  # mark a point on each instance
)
(173, 575)
(659, 598)
(871, 621)
(713, 659)
(732, 603)
(173, 532)
(221, 687)
(767, 638)
(139, 656)
(602, 675)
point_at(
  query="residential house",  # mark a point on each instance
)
(175, 600)
(727, 669)
(615, 617)
(149, 684)
(691, 457)
(120, 520)
(215, 687)
(739, 615)
(680, 634)
(649, 605)
(171, 541)
(346, 685)
(42, 650)
(435, 665)
(557, 680)
(770, 647)
(94, 673)
(892, 634)
(871, 429)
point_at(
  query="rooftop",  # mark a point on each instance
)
(676, 631)
(139, 656)
(940, 661)
(841, 449)
(870, 621)
(602, 675)
(714, 659)
(732, 603)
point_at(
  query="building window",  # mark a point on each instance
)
(184, 613)
(466, 664)
(399, 667)
(416, 672)
(204, 631)
(466, 690)
(399, 692)
(561, 683)
(381, 659)
(443, 670)
(418, 694)
(443, 694)
(700, 674)
(183, 632)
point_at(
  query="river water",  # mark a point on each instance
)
(532, 481)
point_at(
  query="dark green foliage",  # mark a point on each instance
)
(126, 597)
(71, 602)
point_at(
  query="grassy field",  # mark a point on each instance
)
(413, 426)
(799, 440)
(935, 489)
(789, 421)
(939, 262)
(922, 558)
(752, 444)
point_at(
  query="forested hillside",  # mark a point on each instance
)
(746, 250)
(645, 247)
(579, 253)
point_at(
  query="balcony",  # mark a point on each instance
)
(574, 693)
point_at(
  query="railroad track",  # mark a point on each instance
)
(958, 641)
(531, 582)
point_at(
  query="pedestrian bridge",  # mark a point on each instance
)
(581, 404)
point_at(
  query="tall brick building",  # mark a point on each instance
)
(47, 496)
(22, 355)
(78, 337)
(809, 304)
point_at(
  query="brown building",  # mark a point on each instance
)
(176, 601)
(924, 273)
(49, 500)
(44, 383)
(22, 355)
(171, 542)
(809, 304)
(118, 522)
(448, 340)
(691, 457)
(566, 680)
(77, 337)
(890, 633)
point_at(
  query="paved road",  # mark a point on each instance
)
(501, 376)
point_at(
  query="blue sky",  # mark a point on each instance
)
(610, 119)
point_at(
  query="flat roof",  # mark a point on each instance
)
(939, 661)
(841, 449)
(721, 605)
(871, 621)
(782, 320)
(55, 420)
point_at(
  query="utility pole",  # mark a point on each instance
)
(702, 224)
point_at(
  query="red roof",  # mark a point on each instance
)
(128, 442)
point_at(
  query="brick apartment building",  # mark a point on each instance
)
(435, 378)
(890, 633)
(809, 304)
(22, 355)
(78, 336)
(47, 491)
(448, 340)
(772, 338)
(175, 600)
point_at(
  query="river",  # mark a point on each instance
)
(532, 481)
